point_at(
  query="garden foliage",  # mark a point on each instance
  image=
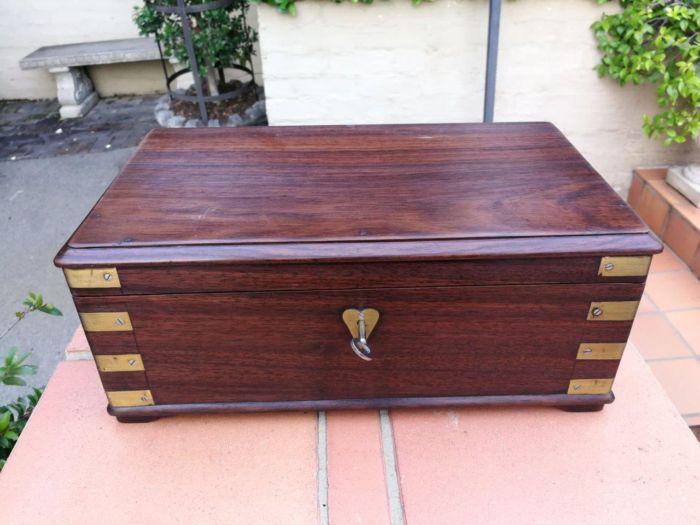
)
(221, 37)
(658, 42)
(14, 416)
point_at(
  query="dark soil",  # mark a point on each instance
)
(216, 110)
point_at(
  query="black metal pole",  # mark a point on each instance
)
(492, 59)
(187, 35)
(165, 68)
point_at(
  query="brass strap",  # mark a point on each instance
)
(92, 278)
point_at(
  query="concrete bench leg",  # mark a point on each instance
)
(74, 90)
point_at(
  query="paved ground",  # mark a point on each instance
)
(51, 174)
(32, 129)
(41, 203)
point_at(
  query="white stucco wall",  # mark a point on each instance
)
(29, 24)
(391, 62)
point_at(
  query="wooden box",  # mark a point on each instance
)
(277, 268)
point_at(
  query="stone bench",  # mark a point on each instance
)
(67, 63)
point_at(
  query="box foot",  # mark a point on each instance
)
(136, 419)
(581, 408)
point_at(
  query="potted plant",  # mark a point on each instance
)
(207, 41)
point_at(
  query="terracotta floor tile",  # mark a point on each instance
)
(655, 338)
(75, 464)
(688, 325)
(666, 261)
(674, 290)
(356, 487)
(546, 466)
(681, 380)
(646, 306)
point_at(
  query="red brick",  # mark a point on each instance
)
(648, 174)
(635, 192)
(681, 237)
(653, 210)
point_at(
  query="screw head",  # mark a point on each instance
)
(119, 321)
(107, 276)
(587, 350)
(597, 311)
(609, 267)
(132, 362)
(577, 387)
(144, 398)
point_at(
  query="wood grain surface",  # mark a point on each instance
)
(376, 251)
(237, 251)
(343, 276)
(354, 184)
(291, 346)
(574, 403)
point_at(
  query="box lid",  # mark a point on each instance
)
(353, 184)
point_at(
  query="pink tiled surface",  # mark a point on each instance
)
(74, 464)
(540, 466)
(356, 492)
(79, 342)
(667, 331)
(634, 462)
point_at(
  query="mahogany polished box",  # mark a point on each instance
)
(276, 268)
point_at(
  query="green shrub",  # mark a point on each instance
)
(658, 42)
(221, 37)
(14, 416)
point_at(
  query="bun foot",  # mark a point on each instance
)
(581, 408)
(136, 419)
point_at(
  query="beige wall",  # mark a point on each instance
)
(26, 25)
(392, 62)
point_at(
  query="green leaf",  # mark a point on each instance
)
(15, 381)
(26, 370)
(50, 309)
(656, 43)
(10, 357)
(5, 419)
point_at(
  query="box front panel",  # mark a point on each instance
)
(294, 346)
